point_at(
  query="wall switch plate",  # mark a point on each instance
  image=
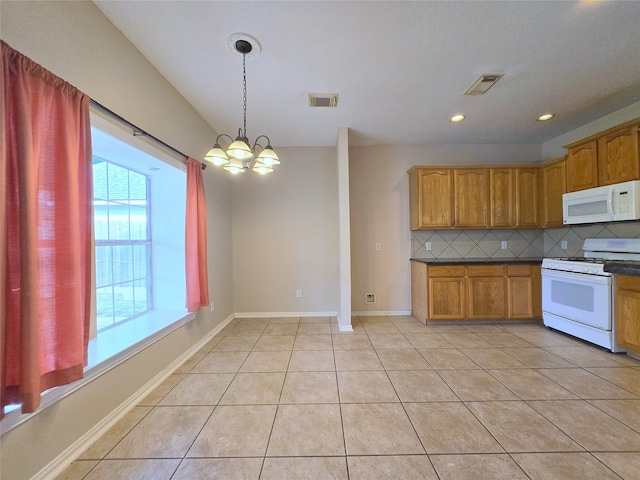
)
(563, 244)
(298, 293)
(212, 306)
(378, 247)
(369, 298)
(427, 246)
(503, 245)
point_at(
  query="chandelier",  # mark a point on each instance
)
(240, 157)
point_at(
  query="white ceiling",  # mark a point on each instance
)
(400, 68)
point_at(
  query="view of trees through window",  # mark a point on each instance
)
(123, 243)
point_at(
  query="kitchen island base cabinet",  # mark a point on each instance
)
(473, 292)
(627, 312)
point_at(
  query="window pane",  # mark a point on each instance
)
(122, 264)
(142, 293)
(118, 182)
(104, 306)
(123, 301)
(141, 261)
(99, 179)
(138, 227)
(104, 261)
(137, 186)
(118, 221)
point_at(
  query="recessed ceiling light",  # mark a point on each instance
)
(457, 118)
(546, 116)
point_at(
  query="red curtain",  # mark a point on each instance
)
(196, 238)
(45, 230)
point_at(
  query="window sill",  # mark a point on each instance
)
(106, 351)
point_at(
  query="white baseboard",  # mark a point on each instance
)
(284, 314)
(373, 313)
(62, 461)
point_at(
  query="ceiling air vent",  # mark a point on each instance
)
(323, 99)
(483, 83)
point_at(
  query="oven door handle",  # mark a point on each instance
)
(578, 277)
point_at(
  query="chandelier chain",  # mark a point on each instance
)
(244, 93)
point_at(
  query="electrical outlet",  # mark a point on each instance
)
(503, 245)
(563, 244)
(427, 246)
(212, 306)
(369, 298)
(378, 247)
(298, 293)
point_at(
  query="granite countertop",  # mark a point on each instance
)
(480, 261)
(622, 267)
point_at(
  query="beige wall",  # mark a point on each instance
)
(76, 42)
(285, 235)
(554, 148)
(380, 213)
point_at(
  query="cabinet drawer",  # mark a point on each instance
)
(486, 270)
(445, 271)
(520, 270)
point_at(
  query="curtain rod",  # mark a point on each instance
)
(138, 132)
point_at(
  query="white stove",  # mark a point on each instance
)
(577, 293)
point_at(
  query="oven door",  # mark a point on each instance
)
(579, 297)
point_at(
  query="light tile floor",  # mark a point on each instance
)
(285, 398)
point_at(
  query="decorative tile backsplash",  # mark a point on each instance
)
(535, 242)
(575, 235)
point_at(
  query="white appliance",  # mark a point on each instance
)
(577, 294)
(610, 203)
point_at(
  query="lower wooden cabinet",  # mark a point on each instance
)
(524, 292)
(446, 292)
(475, 292)
(486, 291)
(627, 312)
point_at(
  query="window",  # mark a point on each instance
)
(139, 214)
(122, 243)
(139, 218)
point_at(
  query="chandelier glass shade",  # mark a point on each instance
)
(240, 156)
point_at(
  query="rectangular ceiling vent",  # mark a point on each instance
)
(323, 99)
(483, 83)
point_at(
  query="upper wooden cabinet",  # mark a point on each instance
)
(502, 211)
(582, 166)
(526, 191)
(609, 157)
(618, 159)
(471, 187)
(431, 198)
(553, 186)
(474, 197)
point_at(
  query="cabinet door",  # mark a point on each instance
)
(486, 291)
(501, 195)
(627, 311)
(447, 297)
(524, 298)
(527, 197)
(471, 187)
(431, 199)
(618, 159)
(554, 185)
(582, 166)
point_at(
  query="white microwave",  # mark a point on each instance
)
(611, 203)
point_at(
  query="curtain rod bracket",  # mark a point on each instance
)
(138, 132)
